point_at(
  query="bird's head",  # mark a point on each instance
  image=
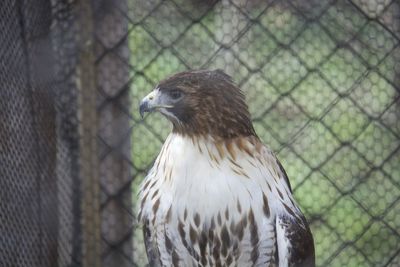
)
(201, 103)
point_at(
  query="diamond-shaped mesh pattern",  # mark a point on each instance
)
(321, 77)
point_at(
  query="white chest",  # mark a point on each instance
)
(230, 190)
(201, 177)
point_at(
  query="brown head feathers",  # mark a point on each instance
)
(209, 104)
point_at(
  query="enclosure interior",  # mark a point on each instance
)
(321, 78)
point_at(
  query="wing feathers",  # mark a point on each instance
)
(294, 242)
(151, 248)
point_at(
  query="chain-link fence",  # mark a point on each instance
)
(321, 77)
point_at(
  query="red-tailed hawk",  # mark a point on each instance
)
(216, 196)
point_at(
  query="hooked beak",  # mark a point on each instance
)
(151, 102)
(144, 107)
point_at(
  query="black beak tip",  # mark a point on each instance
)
(143, 108)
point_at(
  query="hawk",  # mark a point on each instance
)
(216, 195)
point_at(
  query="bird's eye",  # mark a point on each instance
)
(175, 94)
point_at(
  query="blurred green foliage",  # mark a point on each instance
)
(322, 95)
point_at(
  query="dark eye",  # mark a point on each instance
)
(175, 94)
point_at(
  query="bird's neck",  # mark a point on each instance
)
(206, 125)
(217, 148)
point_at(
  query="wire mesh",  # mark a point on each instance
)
(321, 78)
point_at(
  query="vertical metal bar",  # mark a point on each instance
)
(114, 131)
(87, 116)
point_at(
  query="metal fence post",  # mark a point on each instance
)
(114, 131)
(87, 115)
